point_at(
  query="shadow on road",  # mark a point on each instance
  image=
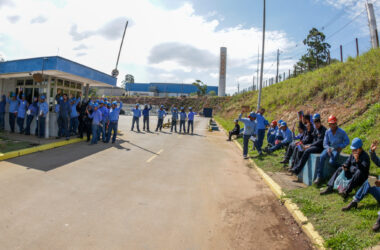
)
(58, 157)
(137, 146)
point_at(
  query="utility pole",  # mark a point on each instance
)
(357, 47)
(278, 64)
(341, 53)
(262, 59)
(115, 72)
(258, 63)
(238, 88)
(253, 83)
(372, 25)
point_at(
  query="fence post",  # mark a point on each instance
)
(329, 58)
(357, 47)
(289, 74)
(341, 53)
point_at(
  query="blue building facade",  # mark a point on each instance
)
(164, 89)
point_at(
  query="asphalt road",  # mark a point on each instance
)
(147, 191)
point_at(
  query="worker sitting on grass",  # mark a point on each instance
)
(316, 147)
(235, 131)
(367, 189)
(249, 130)
(283, 140)
(296, 141)
(272, 131)
(356, 170)
(334, 142)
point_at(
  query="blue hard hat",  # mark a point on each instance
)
(162, 106)
(108, 104)
(283, 124)
(13, 95)
(252, 115)
(175, 108)
(43, 97)
(190, 108)
(61, 98)
(96, 105)
(101, 102)
(114, 103)
(22, 95)
(182, 108)
(316, 116)
(356, 143)
(280, 121)
(73, 99)
(105, 99)
(137, 104)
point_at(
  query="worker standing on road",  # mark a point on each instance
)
(161, 114)
(260, 129)
(96, 117)
(32, 111)
(114, 120)
(64, 114)
(13, 107)
(174, 119)
(74, 122)
(136, 117)
(145, 113)
(22, 107)
(182, 120)
(249, 130)
(103, 125)
(43, 110)
(190, 121)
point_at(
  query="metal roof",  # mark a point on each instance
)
(167, 87)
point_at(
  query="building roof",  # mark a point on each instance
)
(56, 66)
(166, 88)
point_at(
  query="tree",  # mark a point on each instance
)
(212, 93)
(92, 92)
(202, 88)
(127, 79)
(317, 52)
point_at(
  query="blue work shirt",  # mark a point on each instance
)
(114, 113)
(145, 111)
(161, 113)
(287, 136)
(64, 107)
(43, 109)
(74, 112)
(13, 105)
(136, 112)
(105, 113)
(23, 104)
(249, 126)
(339, 140)
(261, 122)
(191, 116)
(3, 103)
(96, 117)
(174, 115)
(272, 131)
(33, 109)
(182, 116)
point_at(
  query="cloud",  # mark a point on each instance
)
(39, 19)
(5, 3)
(111, 30)
(13, 19)
(80, 47)
(81, 54)
(183, 54)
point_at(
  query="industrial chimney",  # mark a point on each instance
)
(222, 71)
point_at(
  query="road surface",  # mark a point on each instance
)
(147, 191)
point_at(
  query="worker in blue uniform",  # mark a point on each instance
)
(22, 107)
(103, 123)
(262, 123)
(30, 114)
(42, 113)
(174, 111)
(96, 117)
(182, 120)
(161, 113)
(136, 117)
(249, 130)
(13, 108)
(74, 122)
(190, 121)
(114, 119)
(64, 114)
(283, 140)
(145, 113)
(3, 104)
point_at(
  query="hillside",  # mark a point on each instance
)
(349, 90)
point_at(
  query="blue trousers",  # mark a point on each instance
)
(190, 123)
(29, 120)
(102, 131)
(271, 139)
(260, 139)
(278, 146)
(136, 120)
(112, 127)
(74, 125)
(367, 189)
(95, 130)
(20, 124)
(245, 144)
(332, 160)
(182, 123)
(2, 120)
(64, 123)
(41, 124)
(12, 121)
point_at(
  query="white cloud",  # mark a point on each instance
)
(92, 37)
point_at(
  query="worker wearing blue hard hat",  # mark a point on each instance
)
(74, 122)
(249, 130)
(43, 108)
(284, 139)
(356, 170)
(262, 123)
(174, 112)
(190, 120)
(136, 117)
(161, 113)
(21, 112)
(96, 117)
(113, 121)
(64, 114)
(104, 122)
(145, 114)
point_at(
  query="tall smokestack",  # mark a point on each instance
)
(222, 72)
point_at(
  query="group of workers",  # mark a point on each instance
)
(20, 110)
(176, 115)
(312, 138)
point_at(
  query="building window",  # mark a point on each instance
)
(60, 82)
(67, 84)
(29, 82)
(20, 83)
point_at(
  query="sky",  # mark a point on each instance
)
(179, 41)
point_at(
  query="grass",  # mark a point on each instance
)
(7, 145)
(340, 230)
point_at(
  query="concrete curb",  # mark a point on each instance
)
(294, 210)
(40, 148)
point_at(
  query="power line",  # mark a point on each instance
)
(344, 26)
